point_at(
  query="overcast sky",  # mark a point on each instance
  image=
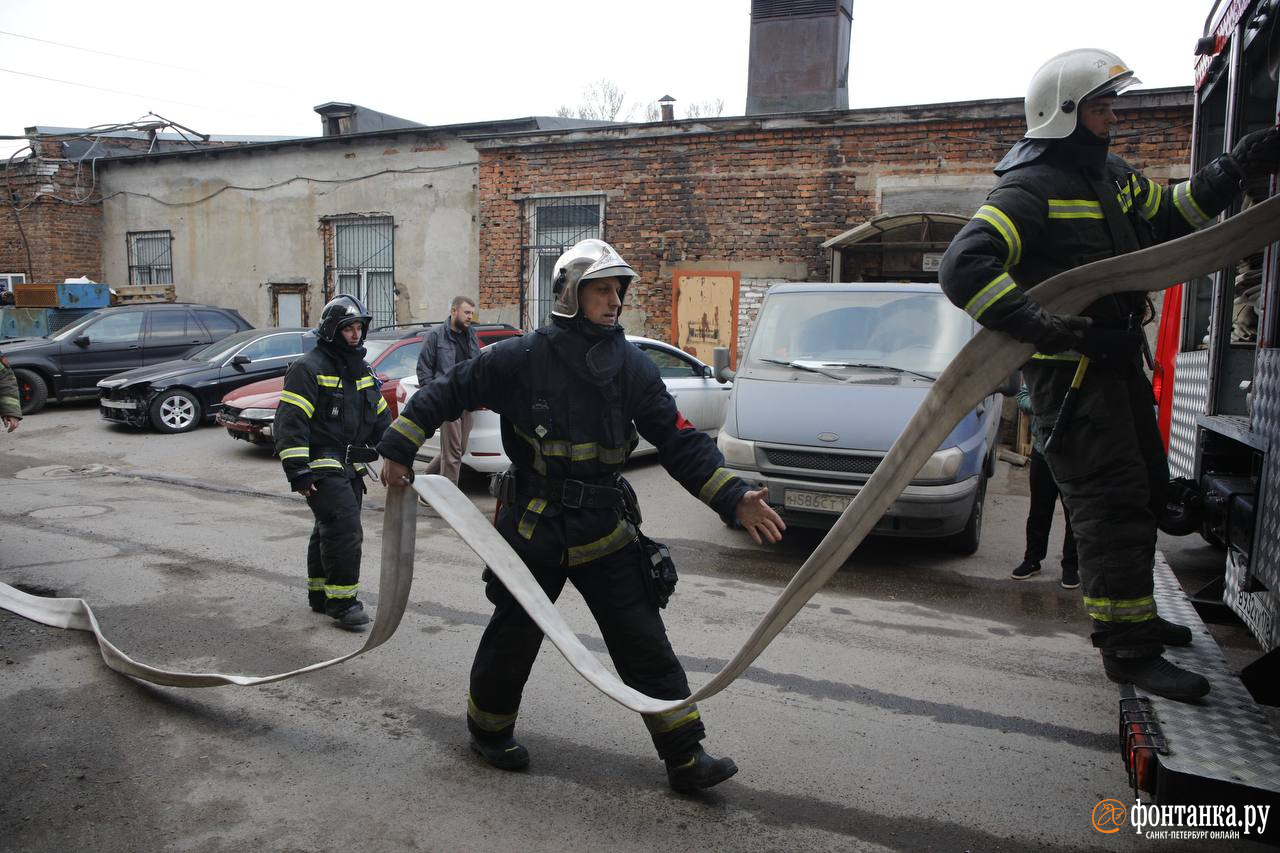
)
(240, 68)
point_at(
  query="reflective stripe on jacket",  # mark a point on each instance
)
(1051, 215)
(321, 411)
(578, 429)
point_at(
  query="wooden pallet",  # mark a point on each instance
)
(137, 294)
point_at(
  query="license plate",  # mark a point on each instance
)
(119, 404)
(816, 501)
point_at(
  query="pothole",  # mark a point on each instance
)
(68, 511)
(64, 472)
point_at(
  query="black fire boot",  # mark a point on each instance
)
(1173, 634)
(696, 769)
(1156, 675)
(504, 754)
(350, 617)
(316, 600)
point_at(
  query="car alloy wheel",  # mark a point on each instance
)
(175, 411)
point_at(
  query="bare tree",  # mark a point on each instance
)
(702, 109)
(705, 109)
(602, 100)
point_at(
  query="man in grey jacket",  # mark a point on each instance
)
(444, 346)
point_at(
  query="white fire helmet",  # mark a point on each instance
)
(586, 260)
(1062, 83)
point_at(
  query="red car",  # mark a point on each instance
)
(248, 412)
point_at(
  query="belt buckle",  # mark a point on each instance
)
(574, 503)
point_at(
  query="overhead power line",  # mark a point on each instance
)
(190, 70)
(103, 89)
(99, 52)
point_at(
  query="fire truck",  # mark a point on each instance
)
(1217, 380)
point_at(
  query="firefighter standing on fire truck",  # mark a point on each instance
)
(1062, 201)
(571, 396)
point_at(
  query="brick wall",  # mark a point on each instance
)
(51, 229)
(750, 195)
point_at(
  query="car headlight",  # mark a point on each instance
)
(736, 451)
(259, 414)
(942, 465)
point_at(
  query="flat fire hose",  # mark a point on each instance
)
(985, 361)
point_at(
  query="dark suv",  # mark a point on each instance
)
(70, 362)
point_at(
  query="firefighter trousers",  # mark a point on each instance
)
(333, 554)
(614, 590)
(1110, 467)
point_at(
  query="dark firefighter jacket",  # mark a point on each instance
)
(570, 406)
(1060, 204)
(330, 400)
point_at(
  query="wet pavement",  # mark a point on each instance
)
(920, 701)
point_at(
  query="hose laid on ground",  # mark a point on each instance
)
(984, 362)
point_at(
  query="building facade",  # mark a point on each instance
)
(756, 197)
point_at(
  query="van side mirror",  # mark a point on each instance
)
(721, 370)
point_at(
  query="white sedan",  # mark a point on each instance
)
(700, 398)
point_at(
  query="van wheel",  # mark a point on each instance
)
(966, 541)
(176, 411)
(32, 391)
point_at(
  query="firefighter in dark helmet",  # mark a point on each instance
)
(332, 400)
(1063, 200)
(571, 396)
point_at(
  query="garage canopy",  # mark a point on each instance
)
(894, 247)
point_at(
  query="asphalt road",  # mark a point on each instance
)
(921, 701)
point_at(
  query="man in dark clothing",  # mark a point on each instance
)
(332, 400)
(572, 396)
(1044, 499)
(1062, 201)
(444, 346)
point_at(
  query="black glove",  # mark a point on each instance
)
(1051, 333)
(302, 483)
(1110, 345)
(1258, 153)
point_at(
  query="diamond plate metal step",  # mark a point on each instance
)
(1219, 749)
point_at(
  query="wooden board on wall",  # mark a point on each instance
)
(704, 313)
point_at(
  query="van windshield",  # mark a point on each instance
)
(910, 331)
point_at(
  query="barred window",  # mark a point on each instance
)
(555, 224)
(150, 257)
(363, 263)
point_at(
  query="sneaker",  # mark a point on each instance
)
(1173, 634)
(503, 754)
(696, 770)
(1070, 576)
(350, 618)
(1025, 569)
(1157, 675)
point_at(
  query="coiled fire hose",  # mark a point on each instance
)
(976, 369)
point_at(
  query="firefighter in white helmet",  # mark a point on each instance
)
(572, 396)
(1063, 200)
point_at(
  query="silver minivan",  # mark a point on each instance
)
(830, 377)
